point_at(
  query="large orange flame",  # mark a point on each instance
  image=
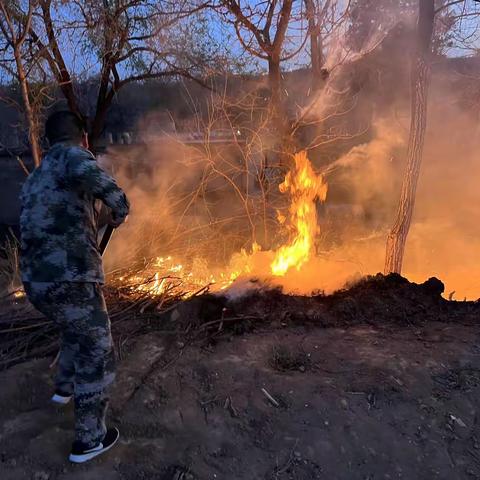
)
(304, 187)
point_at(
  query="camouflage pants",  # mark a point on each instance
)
(86, 363)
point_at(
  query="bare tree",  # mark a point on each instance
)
(420, 77)
(452, 33)
(457, 27)
(323, 18)
(15, 25)
(132, 40)
(275, 32)
(262, 29)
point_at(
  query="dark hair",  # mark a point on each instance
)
(64, 126)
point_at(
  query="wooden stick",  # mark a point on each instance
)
(55, 360)
(228, 319)
(17, 329)
(274, 402)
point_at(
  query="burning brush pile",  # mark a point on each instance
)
(167, 275)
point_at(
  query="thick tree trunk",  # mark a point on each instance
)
(420, 76)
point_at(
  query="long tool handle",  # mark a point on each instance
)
(107, 235)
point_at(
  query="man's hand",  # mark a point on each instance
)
(116, 222)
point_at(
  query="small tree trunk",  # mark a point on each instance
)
(275, 84)
(420, 76)
(279, 114)
(33, 130)
(97, 126)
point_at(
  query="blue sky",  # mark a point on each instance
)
(83, 62)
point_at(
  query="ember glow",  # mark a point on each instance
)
(169, 272)
(304, 188)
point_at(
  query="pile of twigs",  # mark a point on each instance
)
(24, 333)
(133, 309)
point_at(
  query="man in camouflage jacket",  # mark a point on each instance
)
(62, 273)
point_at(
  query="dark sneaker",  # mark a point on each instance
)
(61, 398)
(80, 454)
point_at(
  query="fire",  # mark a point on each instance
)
(304, 187)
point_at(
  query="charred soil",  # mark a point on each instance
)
(378, 381)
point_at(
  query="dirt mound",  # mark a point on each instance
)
(375, 300)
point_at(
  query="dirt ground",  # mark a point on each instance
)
(359, 400)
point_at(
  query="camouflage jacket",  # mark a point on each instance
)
(58, 221)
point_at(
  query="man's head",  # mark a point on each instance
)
(65, 126)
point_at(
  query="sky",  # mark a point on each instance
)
(82, 59)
